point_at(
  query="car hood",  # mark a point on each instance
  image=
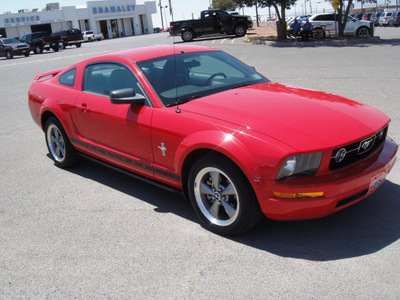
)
(18, 45)
(307, 120)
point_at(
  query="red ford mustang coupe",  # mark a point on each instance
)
(197, 119)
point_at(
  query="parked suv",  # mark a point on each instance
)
(375, 18)
(353, 26)
(386, 19)
(10, 47)
(396, 19)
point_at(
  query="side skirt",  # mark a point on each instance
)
(136, 176)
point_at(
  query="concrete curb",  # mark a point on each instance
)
(300, 43)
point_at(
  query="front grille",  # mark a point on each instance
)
(344, 156)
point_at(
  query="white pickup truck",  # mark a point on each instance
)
(89, 36)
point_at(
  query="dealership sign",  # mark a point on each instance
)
(21, 19)
(112, 9)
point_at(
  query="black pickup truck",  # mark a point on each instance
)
(39, 41)
(211, 22)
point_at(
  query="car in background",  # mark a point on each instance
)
(396, 19)
(358, 16)
(198, 120)
(89, 36)
(69, 37)
(375, 18)
(353, 26)
(40, 41)
(386, 19)
(367, 16)
(9, 47)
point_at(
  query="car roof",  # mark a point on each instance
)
(145, 53)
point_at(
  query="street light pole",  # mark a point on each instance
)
(166, 20)
(162, 22)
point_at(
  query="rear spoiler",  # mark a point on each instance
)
(47, 74)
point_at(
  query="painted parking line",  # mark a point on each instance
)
(54, 58)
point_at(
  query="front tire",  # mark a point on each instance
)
(9, 54)
(240, 30)
(187, 36)
(78, 45)
(59, 145)
(222, 197)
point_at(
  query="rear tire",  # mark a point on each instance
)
(78, 45)
(187, 36)
(27, 54)
(363, 32)
(59, 145)
(222, 197)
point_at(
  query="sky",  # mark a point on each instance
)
(182, 9)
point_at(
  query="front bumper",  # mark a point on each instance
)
(341, 188)
(21, 51)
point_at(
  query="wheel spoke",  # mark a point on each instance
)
(205, 189)
(229, 190)
(53, 139)
(214, 209)
(215, 180)
(62, 151)
(228, 208)
(58, 151)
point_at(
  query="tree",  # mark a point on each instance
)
(281, 13)
(342, 19)
(224, 4)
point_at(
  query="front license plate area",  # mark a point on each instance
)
(377, 181)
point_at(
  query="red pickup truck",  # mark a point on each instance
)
(69, 37)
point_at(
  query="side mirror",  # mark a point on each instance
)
(126, 96)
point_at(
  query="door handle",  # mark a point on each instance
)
(83, 108)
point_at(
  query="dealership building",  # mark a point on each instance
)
(113, 18)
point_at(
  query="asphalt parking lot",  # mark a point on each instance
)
(89, 232)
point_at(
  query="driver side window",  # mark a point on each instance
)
(102, 78)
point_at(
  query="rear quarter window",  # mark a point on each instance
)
(68, 78)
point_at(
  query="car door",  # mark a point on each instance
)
(351, 26)
(119, 133)
(208, 21)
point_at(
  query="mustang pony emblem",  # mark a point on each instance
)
(366, 145)
(162, 148)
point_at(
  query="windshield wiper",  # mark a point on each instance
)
(185, 100)
(241, 85)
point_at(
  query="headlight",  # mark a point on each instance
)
(300, 165)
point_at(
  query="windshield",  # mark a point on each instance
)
(188, 76)
(10, 41)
